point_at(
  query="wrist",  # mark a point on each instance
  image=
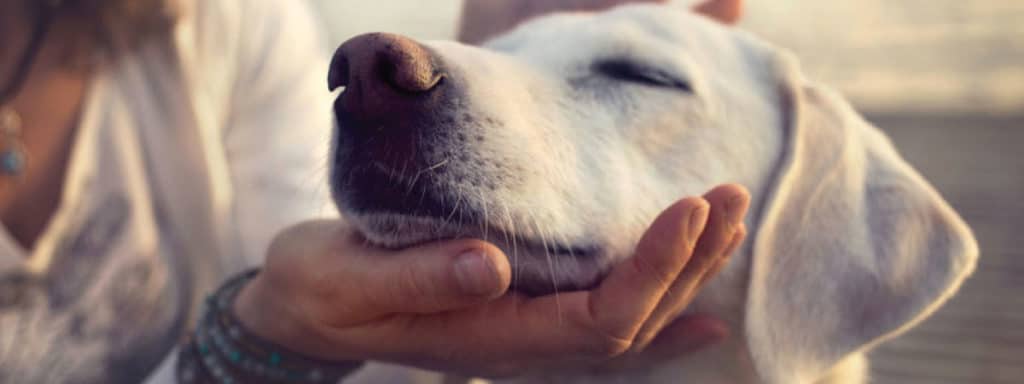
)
(264, 312)
(223, 349)
(264, 315)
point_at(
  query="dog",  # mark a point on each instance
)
(561, 140)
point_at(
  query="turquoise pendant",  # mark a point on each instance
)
(12, 161)
(12, 156)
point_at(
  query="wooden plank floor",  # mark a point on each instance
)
(977, 163)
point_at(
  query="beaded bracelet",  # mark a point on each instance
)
(222, 351)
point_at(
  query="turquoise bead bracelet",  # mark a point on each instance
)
(222, 351)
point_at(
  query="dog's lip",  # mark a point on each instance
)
(425, 229)
(445, 229)
(398, 226)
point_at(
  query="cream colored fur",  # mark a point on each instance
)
(848, 247)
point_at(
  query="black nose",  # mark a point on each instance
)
(384, 74)
(395, 118)
(396, 111)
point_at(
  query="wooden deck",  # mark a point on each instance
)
(977, 163)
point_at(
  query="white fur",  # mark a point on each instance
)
(849, 245)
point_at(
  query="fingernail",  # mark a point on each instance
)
(698, 218)
(476, 273)
(735, 209)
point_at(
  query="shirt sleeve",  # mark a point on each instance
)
(278, 124)
(264, 65)
(164, 374)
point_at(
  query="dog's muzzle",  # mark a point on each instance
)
(394, 118)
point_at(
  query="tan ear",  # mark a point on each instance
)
(725, 11)
(852, 247)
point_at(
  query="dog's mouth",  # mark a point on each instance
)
(395, 213)
(539, 266)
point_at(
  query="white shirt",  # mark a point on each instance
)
(190, 155)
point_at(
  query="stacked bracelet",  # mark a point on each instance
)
(222, 351)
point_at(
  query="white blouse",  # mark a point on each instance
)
(190, 155)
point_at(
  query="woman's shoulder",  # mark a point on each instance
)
(238, 51)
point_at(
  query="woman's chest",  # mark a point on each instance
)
(39, 133)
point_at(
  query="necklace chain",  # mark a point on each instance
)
(13, 156)
(10, 122)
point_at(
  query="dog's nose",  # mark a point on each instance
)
(378, 68)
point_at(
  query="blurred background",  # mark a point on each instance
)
(945, 78)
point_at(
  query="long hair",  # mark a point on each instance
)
(107, 29)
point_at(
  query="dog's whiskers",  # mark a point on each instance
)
(511, 228)
(431, 168)
(483, 203)
(505, 224)
(405, 167)
(551, 266)
(455, 208)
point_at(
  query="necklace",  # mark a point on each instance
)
(13, 156)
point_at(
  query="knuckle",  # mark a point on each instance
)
(413, 286)
(643, 340)
(605, 346)
(741, 233)
(661, 271)
(607, 338)
(409, 283)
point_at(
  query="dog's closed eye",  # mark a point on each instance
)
(629, 71)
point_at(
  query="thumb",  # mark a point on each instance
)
(431, 278)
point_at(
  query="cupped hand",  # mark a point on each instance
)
(446, 306)
(482, 19)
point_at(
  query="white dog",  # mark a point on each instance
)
(562, 140)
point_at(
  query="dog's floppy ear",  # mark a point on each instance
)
(853, 246)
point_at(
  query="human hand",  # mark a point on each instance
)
(326, 294)
(482, 19)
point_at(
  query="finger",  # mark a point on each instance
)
(683, 336)
(728, 207)
(539, 8)
(625, 299)
(510, 332)
(725, 11)
(481, 20)
(589, 5)
(430, 278)
(734, 244)
(686, 335)
(346, 281)
(591, 324)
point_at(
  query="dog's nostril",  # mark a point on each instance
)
(395, 89)
(378, 61)
(407, 66)
(337, 75)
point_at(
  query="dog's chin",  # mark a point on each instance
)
(537, 268)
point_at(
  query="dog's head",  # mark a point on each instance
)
(563, 139)
(559, 142)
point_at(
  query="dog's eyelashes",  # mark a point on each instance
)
(638, 73)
